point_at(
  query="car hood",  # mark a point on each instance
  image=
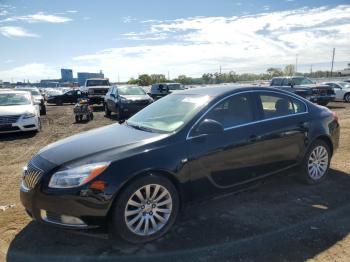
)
(113, 140)
(16, 110)
(136, 97)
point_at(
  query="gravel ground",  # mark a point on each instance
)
(278, 219)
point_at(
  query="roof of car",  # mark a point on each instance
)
(14, 91)
(218, 90)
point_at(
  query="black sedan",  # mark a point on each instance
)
(125, 100)
(134, 177)
(68, 97)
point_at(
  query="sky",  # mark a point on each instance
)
(128, 38)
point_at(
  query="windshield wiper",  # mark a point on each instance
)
(139, 127)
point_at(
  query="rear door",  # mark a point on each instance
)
(285, 124)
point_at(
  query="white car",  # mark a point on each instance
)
(341, 89)
(38, 98)
(18, 112)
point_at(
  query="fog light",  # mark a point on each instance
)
(71, 220)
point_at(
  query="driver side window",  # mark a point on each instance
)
(233, 111)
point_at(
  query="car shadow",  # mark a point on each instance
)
(98, 108)
(17, 136)
(281, 219)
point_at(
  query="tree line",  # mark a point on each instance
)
(230, 77)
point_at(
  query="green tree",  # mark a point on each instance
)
(274, 72)
(144, 80)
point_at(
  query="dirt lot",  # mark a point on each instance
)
(279, 219)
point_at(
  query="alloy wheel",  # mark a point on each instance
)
(148, 210)
(318, 162)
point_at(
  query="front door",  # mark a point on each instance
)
(234, 157)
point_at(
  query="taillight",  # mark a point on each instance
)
(335, 117)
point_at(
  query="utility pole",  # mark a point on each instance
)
(220, 69)
(296, 63)
(168, 76)
(310, 70)
(332, 62)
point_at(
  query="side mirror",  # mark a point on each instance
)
(209, 127)
(113, 95)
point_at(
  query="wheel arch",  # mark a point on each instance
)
(347, 93)
(327, 140)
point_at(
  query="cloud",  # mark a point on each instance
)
(39, 17)
(246, 43)
(72, 11)
(32, 71)
(128, 19)
(15, 31)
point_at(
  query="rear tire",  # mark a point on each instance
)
(43, 111)
(315, 166)
(140, 219)
(347, 97)
(77, 119)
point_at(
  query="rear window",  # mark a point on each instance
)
(276, 105)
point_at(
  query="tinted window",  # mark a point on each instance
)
(274, 105)
(276, 81)
(287, 82)
(236, 110)
(302, 81)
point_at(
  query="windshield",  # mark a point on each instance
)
(169, 113)
(302, 81)
(344, 84)
(12, 99)
(131, 90)
(97, 82)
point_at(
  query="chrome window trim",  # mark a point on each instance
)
(188, 137)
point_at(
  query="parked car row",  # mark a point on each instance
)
(341, 89)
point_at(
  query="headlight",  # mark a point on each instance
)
(77, 176)
(28, 115)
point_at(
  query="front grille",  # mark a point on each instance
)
(141, 102)
(31, 175)
(98, 91)
(9, 119)
(7, 128)
(323, 91)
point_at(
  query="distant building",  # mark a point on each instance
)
(49, 82)
(66, 75)
(82, 76)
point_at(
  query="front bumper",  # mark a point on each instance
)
(71, 210)
(93, 99)
(130, 108)
(326, 98)
(28, 124)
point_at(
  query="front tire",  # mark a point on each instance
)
(316, 163)
(107, 112)
(145, 210)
